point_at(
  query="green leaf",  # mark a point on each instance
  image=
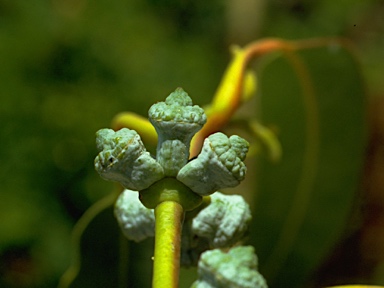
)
(316, 103)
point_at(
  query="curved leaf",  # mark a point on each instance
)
(305, 199)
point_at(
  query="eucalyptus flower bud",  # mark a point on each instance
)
(172, 156)
(176, 121)
(136, 221)
(219, 165)
(224, 221)
(236, 268)
(123, 158)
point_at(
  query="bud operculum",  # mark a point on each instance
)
(219, 165)
(123, 158)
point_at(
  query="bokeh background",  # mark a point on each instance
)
(68, 66)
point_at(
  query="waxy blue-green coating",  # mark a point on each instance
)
(220, 222)
(124, 159)
(172, 156)
(135, 220)
(177, 108)
(219, 165)
(176, 119)
(224, 221)
(234, 269)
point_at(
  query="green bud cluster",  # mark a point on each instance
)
(123, 157)
(220, 223)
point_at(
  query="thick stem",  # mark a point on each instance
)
(169, 218)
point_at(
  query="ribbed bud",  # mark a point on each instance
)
(172, 156)
(235, 268)
(136, 221)
(176, 119)
(224, 221)
(124, 159)
(219, 165)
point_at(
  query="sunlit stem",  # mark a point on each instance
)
(169, 217)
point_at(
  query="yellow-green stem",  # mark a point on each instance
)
(169, 218)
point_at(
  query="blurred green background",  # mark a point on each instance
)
(68, 66)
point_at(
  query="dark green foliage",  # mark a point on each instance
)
(306, 199)
(67, 68)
